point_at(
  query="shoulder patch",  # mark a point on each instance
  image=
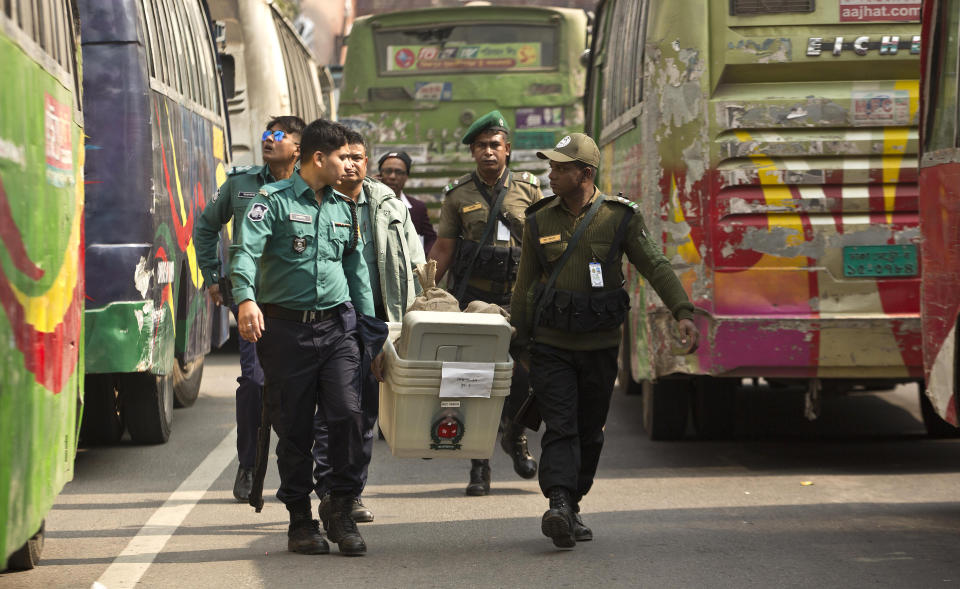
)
(528, 178)
(540, 204)
(456, 183)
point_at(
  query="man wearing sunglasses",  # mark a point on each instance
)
(280, 147)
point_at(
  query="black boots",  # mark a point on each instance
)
(342, 529)
(513, 440)
(479, 478)
(304, 536)
(243, 484)
(580, 530)
(359, 513)
(558, 521)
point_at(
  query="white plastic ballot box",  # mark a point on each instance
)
(422, 412)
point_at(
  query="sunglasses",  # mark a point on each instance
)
(276, 135)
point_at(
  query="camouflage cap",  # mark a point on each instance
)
(573, 147)
(493, 120)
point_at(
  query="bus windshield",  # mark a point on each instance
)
(465, 48)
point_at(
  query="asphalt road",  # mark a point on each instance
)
(859, 498)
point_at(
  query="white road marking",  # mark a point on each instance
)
(129, 567)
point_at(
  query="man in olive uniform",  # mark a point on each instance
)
(484, 212)
(312, 283)
(280, 147)
(568, 304)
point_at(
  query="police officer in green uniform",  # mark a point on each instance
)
(280, 148)
(568, 304)
(478, 241)
(303, 312)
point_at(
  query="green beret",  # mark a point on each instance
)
(493, 120)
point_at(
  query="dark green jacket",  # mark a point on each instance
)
(556, 225)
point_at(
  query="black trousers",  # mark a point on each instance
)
(573, 390)
(307, 365)
(249, 393)
(370, 406)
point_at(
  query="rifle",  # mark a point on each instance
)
(263, 457)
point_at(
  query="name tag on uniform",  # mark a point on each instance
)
(550, 238)
(596, 275)
(246, 194)
(300, 218)
(335, 225)
(503, 232)
(474, 207)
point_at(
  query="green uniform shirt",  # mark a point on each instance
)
(556, 224)
(230, 202)
(464, 212)
(300, 246)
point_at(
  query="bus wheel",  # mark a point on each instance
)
(714, 407)
(28, 556)
(148, 406)
(666, 405)
(936, 426)
(186, 381)
(624, 377)
(102, 420)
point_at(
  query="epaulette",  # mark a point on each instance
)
(458, 182)
(268, 190)
(528, 178)
(539, 205)
(623, 201)
(243, 170)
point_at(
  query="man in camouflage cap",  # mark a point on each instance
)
(568, 305)
(478, 241)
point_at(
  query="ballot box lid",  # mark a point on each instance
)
(454, 337)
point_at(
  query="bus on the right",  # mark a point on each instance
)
(772, 148)
(940, 212)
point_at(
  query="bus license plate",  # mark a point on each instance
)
(880, 260)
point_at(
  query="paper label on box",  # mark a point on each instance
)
(467, 379)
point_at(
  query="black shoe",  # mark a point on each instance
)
(343, 530)
(243, 485)
(479, 478)
(580, 530)
(514, 443)
(558, 523)
(304, 536)
(360, 513)
(324, 510)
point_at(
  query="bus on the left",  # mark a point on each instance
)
(41, 267)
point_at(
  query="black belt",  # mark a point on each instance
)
(278, 312)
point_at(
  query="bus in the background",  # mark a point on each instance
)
(940, 213)
(41, 268)
(772, 147)
(156, 151)
(272, 70)
(415, 81)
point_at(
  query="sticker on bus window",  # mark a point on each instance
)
(539, 116)
(890, 107)
(879, 10)
(488, 56)
(434, 91)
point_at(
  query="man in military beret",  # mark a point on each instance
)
(568, 305)
(280, 148)
(478, 241)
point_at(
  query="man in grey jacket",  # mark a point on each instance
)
(391, 249)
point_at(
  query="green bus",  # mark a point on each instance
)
(415, 81)
(41, 267)
(772, 147)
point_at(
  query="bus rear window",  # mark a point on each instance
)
(466, 48)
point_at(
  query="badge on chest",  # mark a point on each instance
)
(299, 244)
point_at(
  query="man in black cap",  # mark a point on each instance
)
(478, 241)
(394, 172)
(568, 306)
